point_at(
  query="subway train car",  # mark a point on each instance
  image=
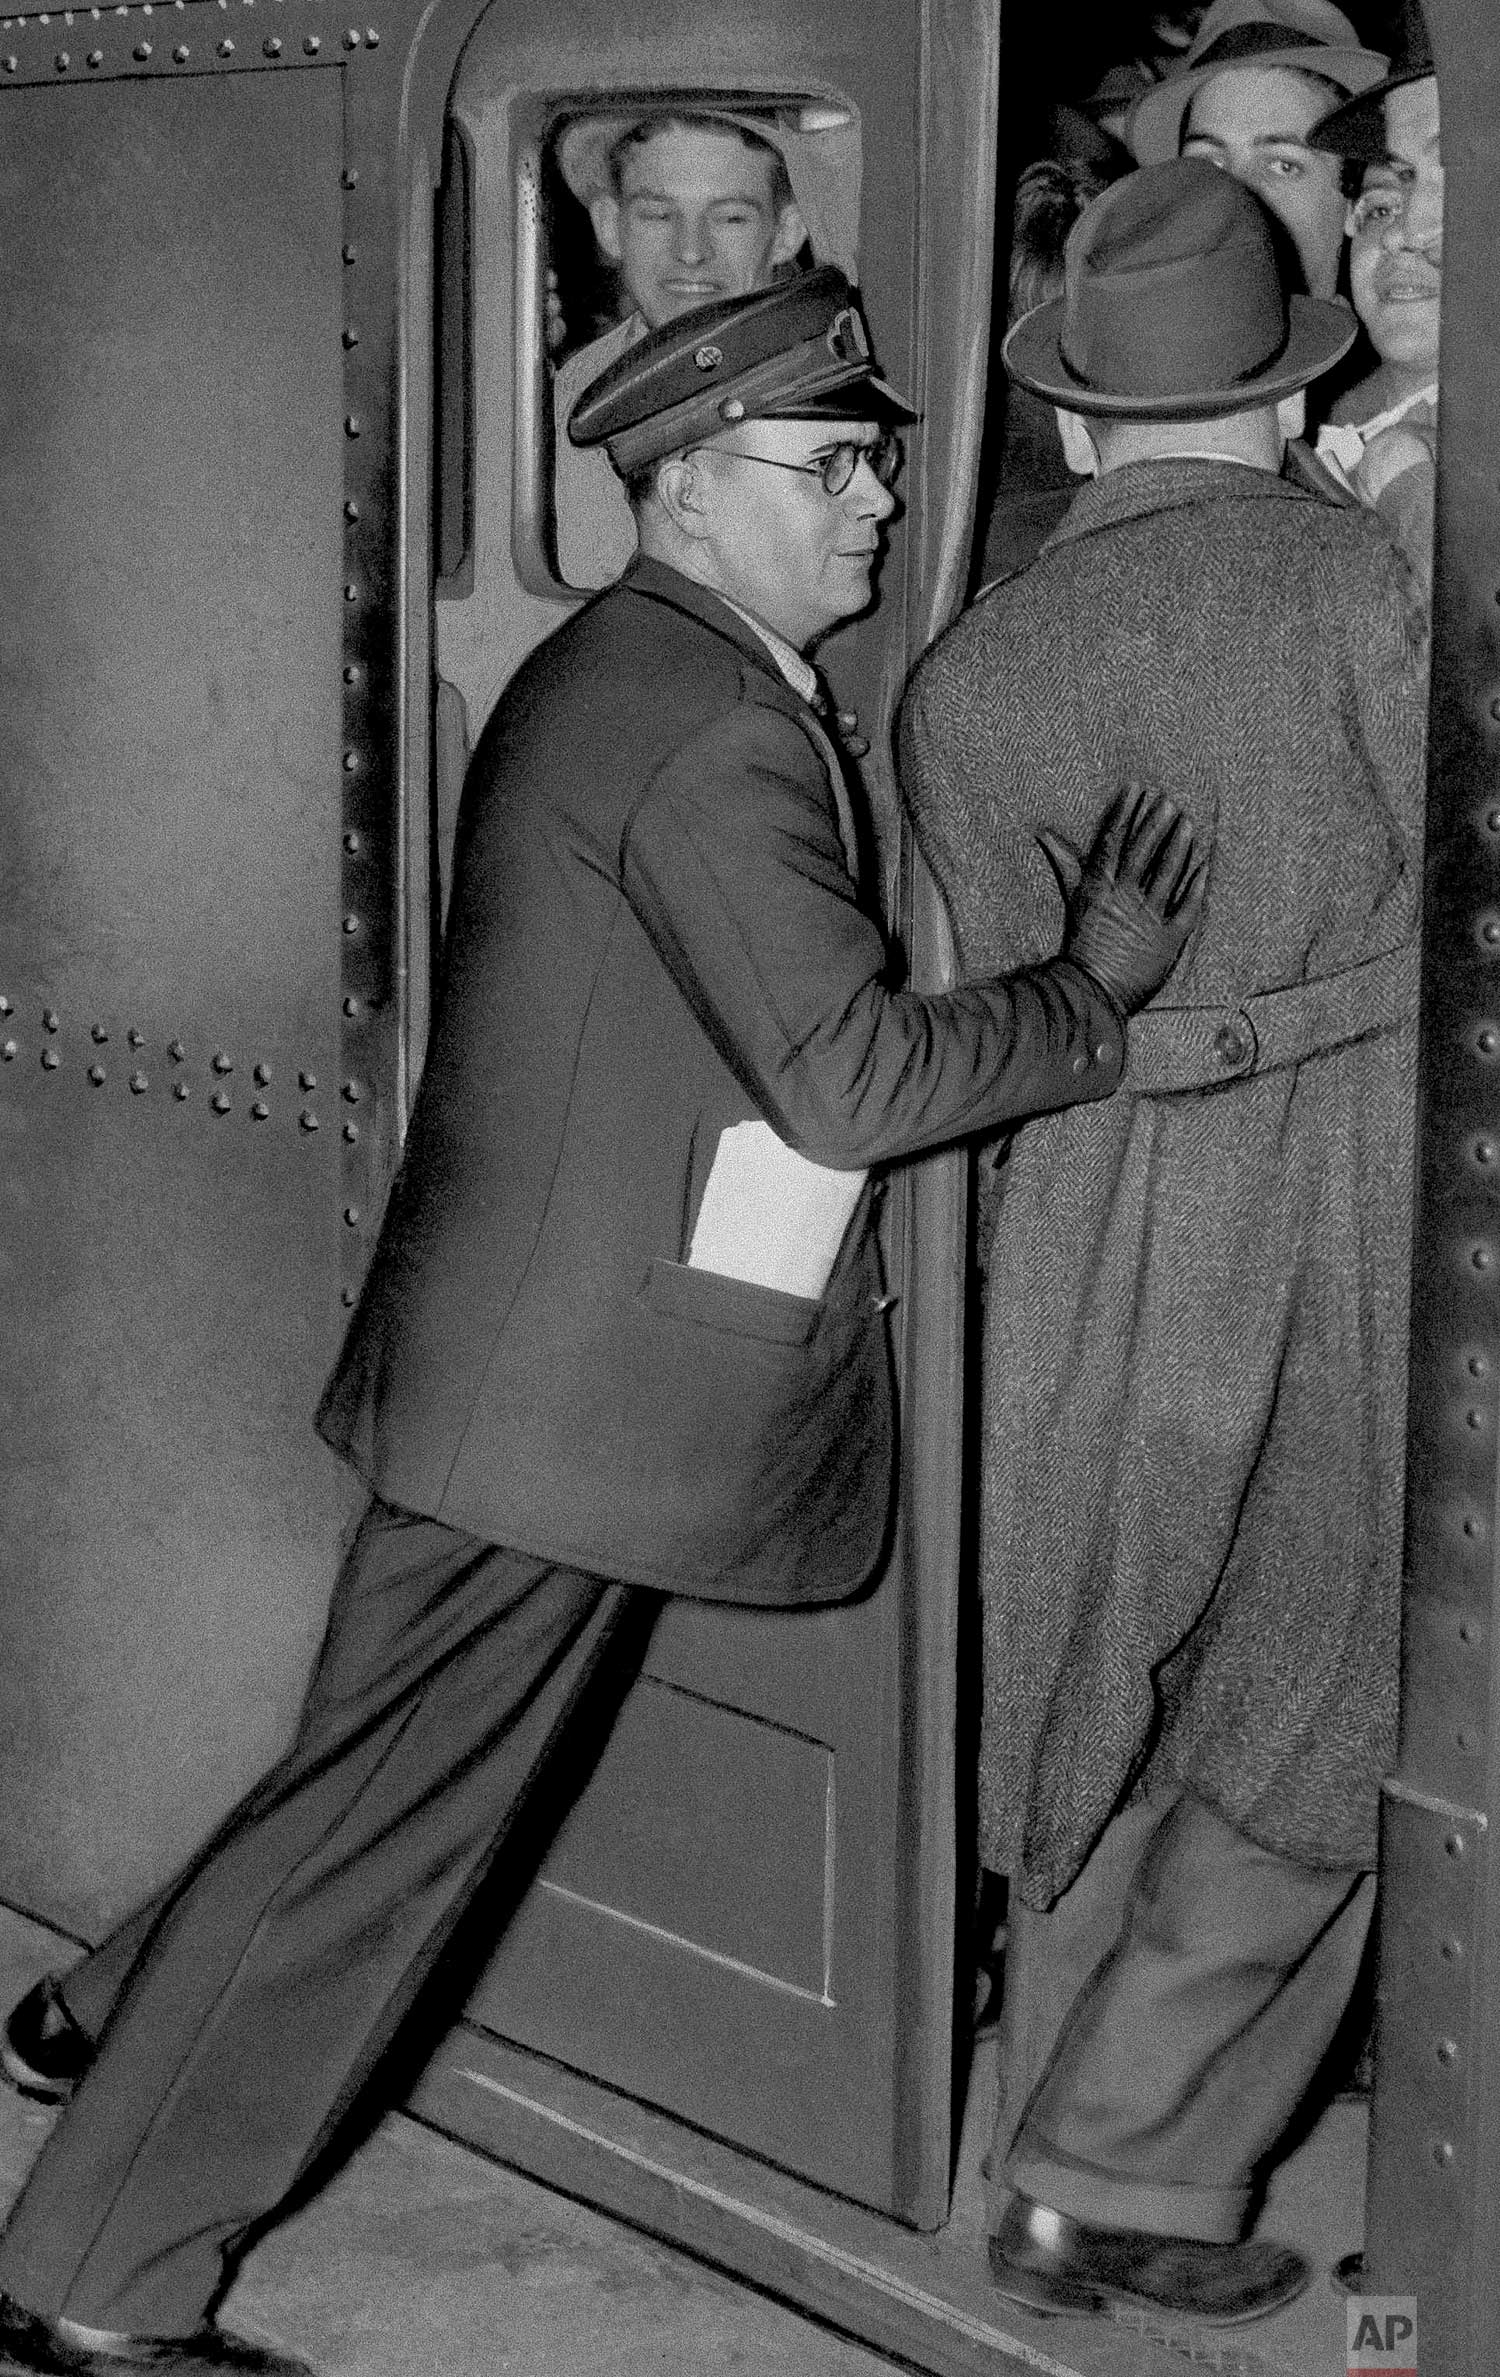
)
(280, 279)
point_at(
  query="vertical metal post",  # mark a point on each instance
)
(1433, 2224)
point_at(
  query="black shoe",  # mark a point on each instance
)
(32, 2347)
(1052, 2263)
(43, 2052)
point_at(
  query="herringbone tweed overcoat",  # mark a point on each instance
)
(1193, 1367)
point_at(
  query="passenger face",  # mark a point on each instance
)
(1396, 236)
(695, 220)
(1253, 122)
(782, 547)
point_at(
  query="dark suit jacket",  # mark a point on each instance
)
(654, 935)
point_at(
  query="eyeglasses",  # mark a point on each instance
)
(837, 467)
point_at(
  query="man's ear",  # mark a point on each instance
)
(1291, 415)
(1079, 450)
(791, 231)
(604, 214)
(682, 490)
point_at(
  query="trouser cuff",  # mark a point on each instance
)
(1214, 2215)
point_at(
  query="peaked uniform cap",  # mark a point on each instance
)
(1310, 35)
(798, 350)
(1173, 306)
(1358, 129)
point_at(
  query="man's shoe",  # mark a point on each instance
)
(1050, 2262)
(43, 2052)
(33, 2347)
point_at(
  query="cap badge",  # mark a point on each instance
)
(846, 336)
(708, 358)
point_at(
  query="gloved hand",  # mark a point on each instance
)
(1132, 903)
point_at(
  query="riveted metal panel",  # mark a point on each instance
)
(174, 1103)
(1434, 2197)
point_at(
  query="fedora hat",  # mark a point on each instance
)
(1173, 306)
(818, 145)
(1310, 35)
(1358, 128)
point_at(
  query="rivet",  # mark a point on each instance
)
(1490, 930)
(1467, 1630)
(351, 425)
(1495, 707)
(351, 38)
(223, 1063)
(351, 591)
(226, 47)
(1455, 1845)
(351, 512)
(180, 1091)
(5, 1006)
(312, 43)
(9, 1051)
(1447, 2050)
(49, 1019)
(1481, 1258)
(180, 53)
(271, 47)
(352, 672)
(372, 38)
(50, 1059)
(347, 1298)
(351, 1132)
(142, 51)
(306, 1120)
(220, 1101)
(138, 1083)
(1492, 820)
(1471, 1529)
(1478, 1366)
(176, 1051)
(96, 57)
(61, 61)
(1442, 2153)
(350, 177)
(351, 842)
(1475, 1418)
(11, 64)
(351, 1216)
(135, 1038)
(98, 1034)
(1487, 1040)
(1464, 1738)
(1451, 1951)
(307, 1080)
(349, 251)
(262, 1073)
(351, 1006)
(351, 762)
(96, 1075)
(351, 924)
(352, 1093)
(260, 1109)
(351, 338)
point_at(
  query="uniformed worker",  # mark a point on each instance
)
(574, 1380)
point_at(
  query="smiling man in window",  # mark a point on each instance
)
(690, 208)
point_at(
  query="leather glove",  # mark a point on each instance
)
(1134, 901)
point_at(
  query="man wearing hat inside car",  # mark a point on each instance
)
(1258, 76)
(624, 1331)
(1193, 1367)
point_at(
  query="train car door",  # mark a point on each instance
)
(221, 310)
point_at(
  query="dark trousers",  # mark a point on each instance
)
(1166, 2018)
(242, 2013)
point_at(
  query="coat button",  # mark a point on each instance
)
(1233, 1046)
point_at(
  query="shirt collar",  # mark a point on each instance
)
(794, 666)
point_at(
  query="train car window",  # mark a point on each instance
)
(453, 319)
(626, 214)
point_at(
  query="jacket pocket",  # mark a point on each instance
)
(741, 1307)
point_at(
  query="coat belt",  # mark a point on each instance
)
(1183, 1048)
